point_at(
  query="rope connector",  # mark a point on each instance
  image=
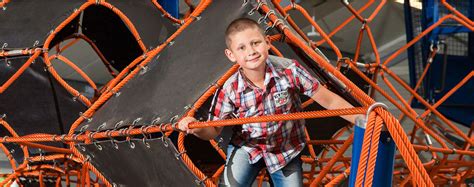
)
(197, 18)
(200, 182)
(261, 19)
(163, 135)
(116, 93)
(143, 70)
(278, 21)
(135, 122)
(63, 137)
(108, 133)
(156, 121)
(129, 138)
(3, 116)
(245, 3)
(101, 126)
(143, 130)
(89, 119)
(252, 11)
(88, 158)
(118, 124)
(91, 138)
(178, 155)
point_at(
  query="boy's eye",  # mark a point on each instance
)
(241, 48)
(256, 43)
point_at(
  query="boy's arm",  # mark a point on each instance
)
(202, 133)
(330, 100)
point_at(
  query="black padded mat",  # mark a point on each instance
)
(35, 102)
(30, 104)
(179, 76)
(26, 21)
(157, 165)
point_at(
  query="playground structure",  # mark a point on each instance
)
(169, 68)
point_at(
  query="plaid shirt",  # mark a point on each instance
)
(276, 142)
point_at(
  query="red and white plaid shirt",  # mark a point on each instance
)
(277, 142)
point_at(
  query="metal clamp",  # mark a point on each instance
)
(163, 135)
(197, 18)
(116, 93)
(116, 126)
(88, 158)
(108, 133)
(41, 155)
(252, 11)
(89, 119)
(129, 138)
(143, 130)
(83, 129)
(63, 137)
(155, 121)
(101, 126)
(134, 123)
(178, 155)
(278, 21)
(261, 19)
(373, 106)
(99, 147)
(143, 70)
(74, 138)
(245, 3)
(199, 182)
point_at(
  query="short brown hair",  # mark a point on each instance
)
(239, 25)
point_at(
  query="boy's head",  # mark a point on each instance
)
(247, 44)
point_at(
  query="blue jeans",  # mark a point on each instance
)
(238, 171)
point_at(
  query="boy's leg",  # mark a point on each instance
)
(238, 171)
(290, 175)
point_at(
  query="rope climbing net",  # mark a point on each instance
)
(449, 163)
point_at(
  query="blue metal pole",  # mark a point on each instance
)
(171, 6)
(383, 173)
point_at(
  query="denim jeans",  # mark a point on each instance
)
(239, 172)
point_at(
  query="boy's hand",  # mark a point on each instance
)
(184, 123)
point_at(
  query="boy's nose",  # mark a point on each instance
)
(251, 51)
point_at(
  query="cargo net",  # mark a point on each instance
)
(425, 155)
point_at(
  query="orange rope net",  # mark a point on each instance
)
(449, 163)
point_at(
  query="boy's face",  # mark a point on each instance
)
(249, 48)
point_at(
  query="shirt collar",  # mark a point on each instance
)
(244, 83)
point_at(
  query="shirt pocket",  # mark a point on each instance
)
(283, 101)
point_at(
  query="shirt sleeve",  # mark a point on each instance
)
(306, 83)
(224, 106)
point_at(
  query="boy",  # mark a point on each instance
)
(264, 85)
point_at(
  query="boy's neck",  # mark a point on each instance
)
(257, 77)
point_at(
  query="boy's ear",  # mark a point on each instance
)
(229, 55)
(267, 39)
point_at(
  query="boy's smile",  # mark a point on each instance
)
(249, 48)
